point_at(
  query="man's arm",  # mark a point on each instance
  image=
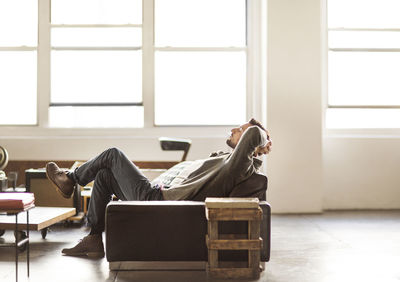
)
(241, 160)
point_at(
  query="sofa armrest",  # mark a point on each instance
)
(255, 186)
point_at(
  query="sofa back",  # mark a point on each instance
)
(253, 187)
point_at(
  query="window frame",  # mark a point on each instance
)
(361, 131)
(255, 69)
(369, 50)
(24, 48)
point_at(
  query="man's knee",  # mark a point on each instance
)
(114, 151)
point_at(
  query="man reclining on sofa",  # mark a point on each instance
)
(114, 173)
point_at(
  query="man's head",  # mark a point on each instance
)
(237, 132)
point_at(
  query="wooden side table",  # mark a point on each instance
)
(18, 243)
(40, 219)
(233, 209)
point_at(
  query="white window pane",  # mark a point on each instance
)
(364, 39)
(18, 22)
(200, 88)
(18, 87)
(364, 78)
(89, 37)
(363, 118)
(96, 11)
(364, 13)
(96, 117)
(188, 23)
(96, 76)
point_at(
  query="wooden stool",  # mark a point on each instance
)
(233, 209)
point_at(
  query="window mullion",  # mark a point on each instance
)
(148, 62)
(201, 49)
(94, 25)
(254, 64)
(43, 74)
(97, 48)
(22, 48)
(363, 29)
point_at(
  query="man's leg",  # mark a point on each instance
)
(116, 161)
(127, 175)
(92, 245)
(105, 185)
(103, 189)
(101, 195)
(113, 173)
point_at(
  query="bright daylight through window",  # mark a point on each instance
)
(363, 63)
(124, 63)
(18, 53)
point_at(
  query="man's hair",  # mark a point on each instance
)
(257, 123)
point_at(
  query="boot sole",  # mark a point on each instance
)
(89, 254)
(58, 188)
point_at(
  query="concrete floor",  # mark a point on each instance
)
(334, 246)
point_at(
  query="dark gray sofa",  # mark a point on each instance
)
(174, 231)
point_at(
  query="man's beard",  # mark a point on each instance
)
(230, 144)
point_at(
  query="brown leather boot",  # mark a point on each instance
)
(90, 246)
(59, 178)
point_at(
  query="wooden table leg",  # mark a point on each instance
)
(84, 205)
(213, 235)
(254, 255)
(16, 247)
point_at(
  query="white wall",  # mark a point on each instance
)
(360, 168)
(361, 172)
(294, 105)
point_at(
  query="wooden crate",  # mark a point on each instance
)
(233, 209)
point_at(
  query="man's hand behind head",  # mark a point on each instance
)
(263, 150)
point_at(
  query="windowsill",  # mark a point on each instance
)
(362, 132)
(32, 132)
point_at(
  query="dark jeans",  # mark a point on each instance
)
(113, 173)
